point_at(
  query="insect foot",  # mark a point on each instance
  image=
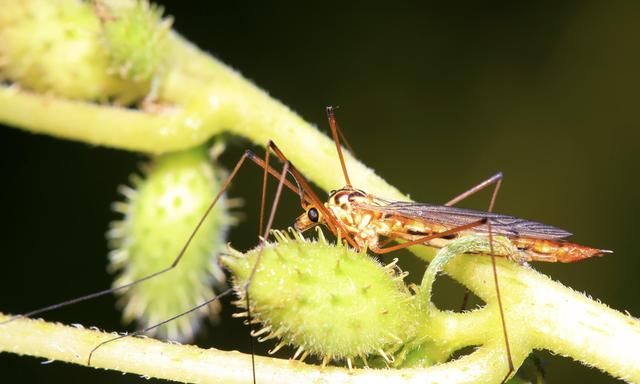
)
(325, 300)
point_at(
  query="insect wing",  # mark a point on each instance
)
(452, 217)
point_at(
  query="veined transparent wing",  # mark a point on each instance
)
(453, 217)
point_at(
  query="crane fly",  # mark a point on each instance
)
(369, 222)
(369, 218)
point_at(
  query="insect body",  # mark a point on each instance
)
(372, 220)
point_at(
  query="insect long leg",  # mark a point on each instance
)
(154, 326)
(274, 206)
(334, 132)
(477, 188)
(176, 261)
(263, 197)
(471, 191)
(494, 195)
(497, 181)
(422, 240)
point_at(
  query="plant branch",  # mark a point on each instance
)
(187, 363)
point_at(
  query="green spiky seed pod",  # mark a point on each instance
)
(136, 38)
(58, 47)
(325, 300)
(161, 212)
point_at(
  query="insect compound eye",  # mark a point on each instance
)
(313, 215)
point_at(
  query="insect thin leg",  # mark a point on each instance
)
(494, 195)
(422, 240)
(263, 197)
(225, 186)
(465, 300)
(160, 272)
(333, 124)
(274, 206)
(154, 326)
(282, 182)
(471, 191)
(343, 138)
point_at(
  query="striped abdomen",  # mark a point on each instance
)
(554, 251)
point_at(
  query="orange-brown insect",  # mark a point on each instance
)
(368, 219)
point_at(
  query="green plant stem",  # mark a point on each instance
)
(186, 363)
(541, 314)
(205, 97)
(78, 120)
(544, 314)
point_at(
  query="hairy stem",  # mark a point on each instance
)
(186, 363)
(570, 324)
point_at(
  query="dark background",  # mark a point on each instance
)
(434, 98)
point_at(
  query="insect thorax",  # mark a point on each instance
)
(364, 225)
